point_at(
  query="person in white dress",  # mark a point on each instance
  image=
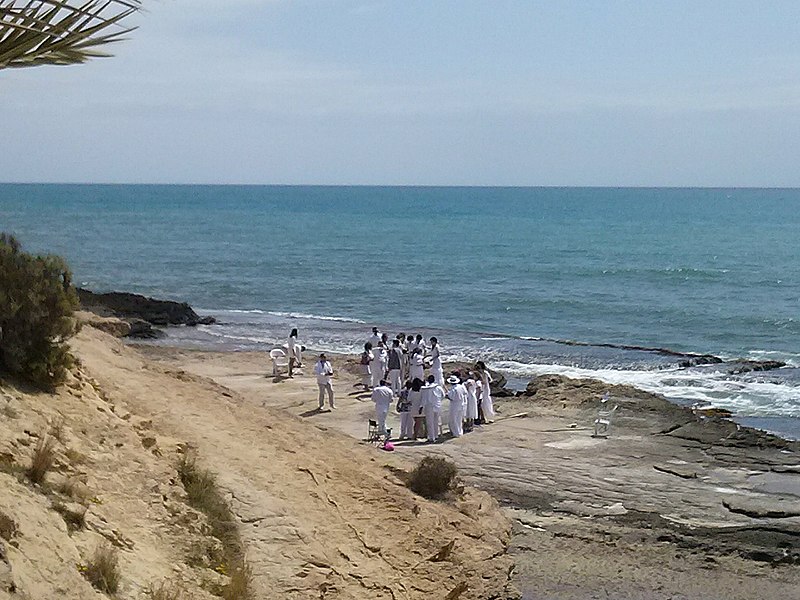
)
(436, 362)
(416, 366)
(324, 372)
(432, 395)
(377, 364)
(417, 410)
(294, 352)
(457, 395)
(486, 392)
(472, 402)
(366, 369)
(375, 338)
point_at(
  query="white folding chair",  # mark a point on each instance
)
(279, 359)
(602, 424)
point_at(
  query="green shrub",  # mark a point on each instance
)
(36, 303)
(433, 477)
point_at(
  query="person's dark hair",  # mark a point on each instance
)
(417, 384)
(419, 336)
(480, 365)
(431, 379)
(374, 330)
(368, 346)
(294, 333)
(407, 384)
(395, 342)
(434, 340)
(384, 382)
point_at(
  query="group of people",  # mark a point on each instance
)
(386, 366)
(395, 374)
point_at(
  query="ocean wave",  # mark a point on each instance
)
(683, 386)
(312, 317)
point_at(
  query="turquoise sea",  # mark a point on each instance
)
(513, 275)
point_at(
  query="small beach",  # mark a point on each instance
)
(669, 505)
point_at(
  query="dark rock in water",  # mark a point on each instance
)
(141, 329)
(134, 306)
(746, 366)
(700, 359)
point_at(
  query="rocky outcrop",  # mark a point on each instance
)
(746, 366)
(140, 312)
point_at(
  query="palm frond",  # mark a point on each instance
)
(60, 32)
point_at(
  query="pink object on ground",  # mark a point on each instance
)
(388, 446)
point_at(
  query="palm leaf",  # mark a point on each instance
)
(60, 32)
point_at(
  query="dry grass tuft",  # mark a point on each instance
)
(166, 590)
(433, 477)
(205, 496)
(42, 461)
(57, 428)
(75, 457)
(102, 571)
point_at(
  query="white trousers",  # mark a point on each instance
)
(323, 387)
(394, 381)
(377, 372)
(438, 375)
(432, 423)
(456, 420)
(380, 417)
(406, 425)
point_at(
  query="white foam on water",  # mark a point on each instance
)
(684, 386)
(294, 315)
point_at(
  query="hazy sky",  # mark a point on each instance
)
(422, 92)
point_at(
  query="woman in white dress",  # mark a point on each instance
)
(472, 402)
(377, 365)
(294, 352)
(416, 367)
(366, 371)
(486, 392)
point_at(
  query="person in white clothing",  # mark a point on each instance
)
(486, 392)
(294, 352)
(416, 366)
(417, 410)
(457, 394)
(432, 395)
(382, 397)
(406, 416)
(366, 370)
(377, 364)
(375, 338)
(324, 372)
(395, 364)
(472, 402)
(436, 362)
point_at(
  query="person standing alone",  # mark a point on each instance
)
(324, 372)
(294, 351)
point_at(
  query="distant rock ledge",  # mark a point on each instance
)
(140, 312)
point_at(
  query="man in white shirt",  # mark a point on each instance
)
(375, 339)
(382, 396)
(432, 395)
(457, 394)
(324, 372)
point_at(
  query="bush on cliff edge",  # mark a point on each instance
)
(36, 303)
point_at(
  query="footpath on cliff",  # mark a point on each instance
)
(671, 504)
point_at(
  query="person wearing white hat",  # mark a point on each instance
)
(432, 395)
(436, 362)
(382, 397)
(457, 394)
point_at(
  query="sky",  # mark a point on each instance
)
(422, 92)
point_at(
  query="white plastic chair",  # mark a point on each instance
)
(602, 424)
(279, 359)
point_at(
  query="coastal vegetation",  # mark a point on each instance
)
(37, 301)
(58, 32)
(433, 477)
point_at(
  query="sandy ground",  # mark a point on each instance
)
(668, 506)
(320, 516)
